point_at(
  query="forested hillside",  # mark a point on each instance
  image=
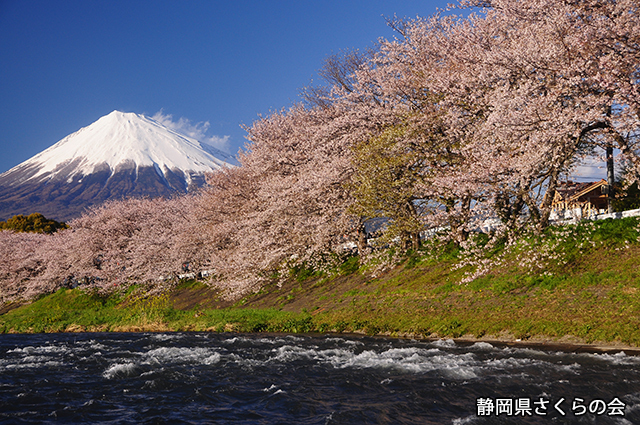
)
(35, 222)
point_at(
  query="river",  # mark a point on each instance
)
(202, 378)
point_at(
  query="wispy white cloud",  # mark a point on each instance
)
(196, 131)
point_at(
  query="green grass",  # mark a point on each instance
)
(72, 309)
(57, 312)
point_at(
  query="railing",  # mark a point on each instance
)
(593, 217)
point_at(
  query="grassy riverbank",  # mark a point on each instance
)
(576, 284)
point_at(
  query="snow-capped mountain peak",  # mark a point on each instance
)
(120, 155)
(126, 139)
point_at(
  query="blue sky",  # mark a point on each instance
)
(64, 64)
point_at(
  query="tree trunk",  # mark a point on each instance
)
(545, 208)
(415, 241)
(610, 178)
(362, 237)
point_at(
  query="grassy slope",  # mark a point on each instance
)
(577, 284)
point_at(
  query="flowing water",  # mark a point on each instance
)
(256, 379)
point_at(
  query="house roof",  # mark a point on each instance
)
(588, 189)
(570, 191)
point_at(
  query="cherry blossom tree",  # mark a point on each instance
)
(135, 241)
(522, 92)
(285, 204)
(459, 118)
(21, 259)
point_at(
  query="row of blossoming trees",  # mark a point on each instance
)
(458, 119)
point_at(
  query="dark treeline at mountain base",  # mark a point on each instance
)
(459, 119)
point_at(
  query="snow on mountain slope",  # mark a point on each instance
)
(125, 139)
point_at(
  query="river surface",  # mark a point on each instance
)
(207, 378)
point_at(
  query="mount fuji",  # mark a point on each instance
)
(120, 155)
